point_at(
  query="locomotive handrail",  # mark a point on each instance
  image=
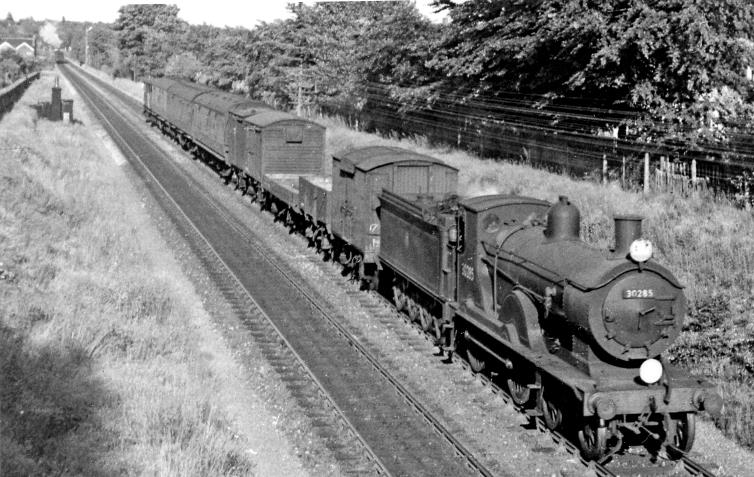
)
(519, 260)
(556, 278)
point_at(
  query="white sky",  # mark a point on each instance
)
(214, 12)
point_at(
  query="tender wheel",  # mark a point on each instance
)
(681, 434)
(519, 392)
(425, 319)
(413, 310)
(551, 413)
(593, 440)
(399, 298)
(477, 364)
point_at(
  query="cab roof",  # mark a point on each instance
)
(368, 158)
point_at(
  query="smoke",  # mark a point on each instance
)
(49, 33)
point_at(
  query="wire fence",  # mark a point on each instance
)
(515, 132)
(10, 94)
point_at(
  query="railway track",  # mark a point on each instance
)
(619, 466)
(371, 423)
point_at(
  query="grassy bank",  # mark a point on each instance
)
(101, 369)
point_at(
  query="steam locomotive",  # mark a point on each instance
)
(576, 333)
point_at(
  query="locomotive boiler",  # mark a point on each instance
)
(577, 331)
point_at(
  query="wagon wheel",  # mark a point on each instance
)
(593, 440)
(520, 393)
(551, 413)
(681, 433)
(425, 319)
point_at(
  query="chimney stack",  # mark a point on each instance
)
(627, 229)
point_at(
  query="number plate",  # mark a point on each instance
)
(638, 293)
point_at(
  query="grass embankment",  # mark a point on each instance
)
(101, 369)
(708, 245)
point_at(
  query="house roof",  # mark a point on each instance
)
(15, 42)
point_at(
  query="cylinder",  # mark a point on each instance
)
(627, 229)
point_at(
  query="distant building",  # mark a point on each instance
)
(26, 47)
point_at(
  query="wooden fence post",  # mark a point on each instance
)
(623, 173)
(604, 168)
(693, 175)
(646, 172)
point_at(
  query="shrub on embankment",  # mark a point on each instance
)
(100, 372)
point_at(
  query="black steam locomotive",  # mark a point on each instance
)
(575, 332)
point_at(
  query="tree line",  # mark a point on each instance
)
(660, 70)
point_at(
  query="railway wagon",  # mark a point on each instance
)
(352, 211)
(59, 56)
(169, 104)
(247, 139)
(210, 118)
(280, 149)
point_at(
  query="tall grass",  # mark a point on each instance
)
(101, 373)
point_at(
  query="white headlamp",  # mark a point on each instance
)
(640, 250)
(650, 371)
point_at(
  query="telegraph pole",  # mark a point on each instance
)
(300, 93)
(86, 45)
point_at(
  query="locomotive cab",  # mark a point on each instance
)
(480, 222)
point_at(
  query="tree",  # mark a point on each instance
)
(329, 53)
(102, 46)
(183, 65)
(148, 35)
(675, 61)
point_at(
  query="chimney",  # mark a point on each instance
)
(627, 229)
